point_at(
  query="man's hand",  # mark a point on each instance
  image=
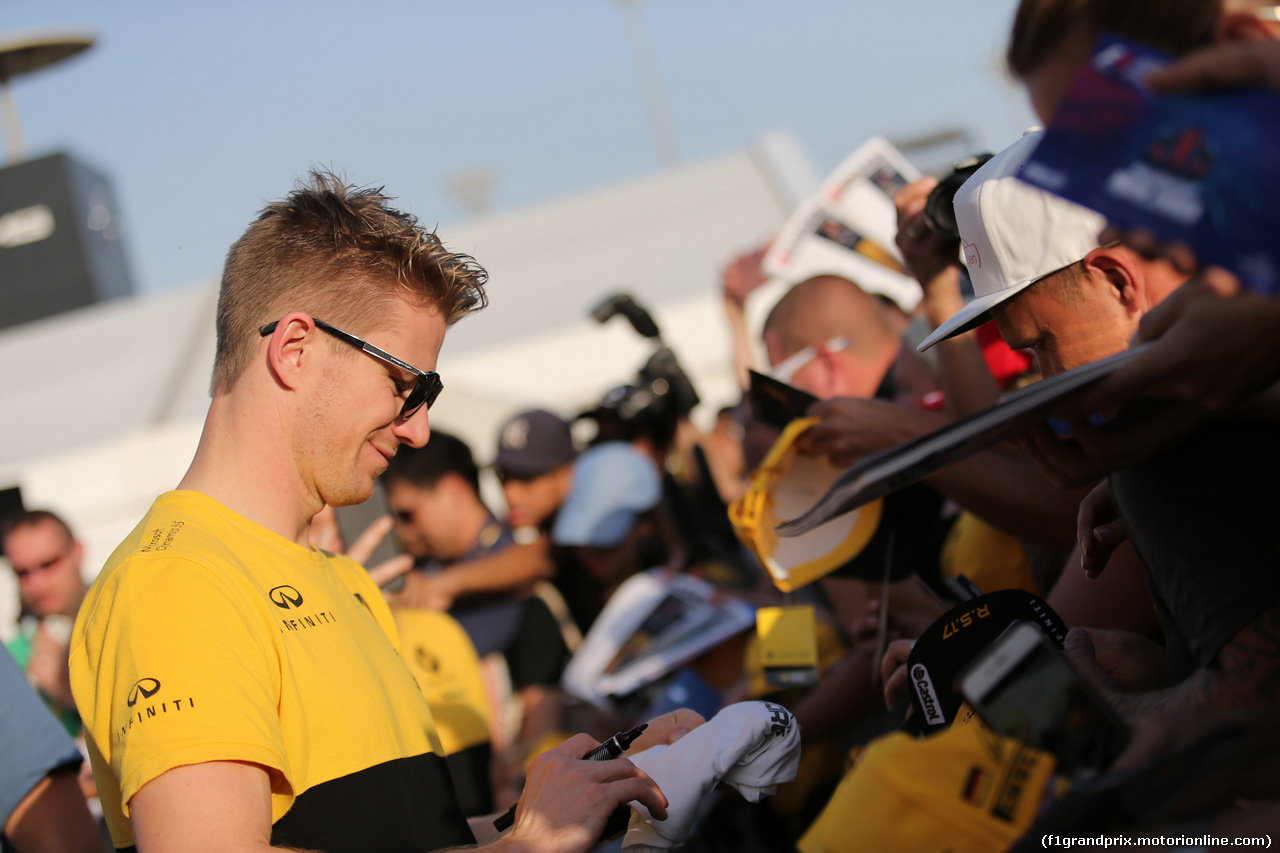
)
(666, 729)
(744, 274)
(1094, 451)
(1247, 63)
(325, 535)
(388, 570)
(1122, 666)
(912, 609)
(927, 255)
(1082, 654)
(852, 428)
(426, 592)
(48, 670)
(324, 532)
(1132, 662)
(367, 542)
(893, 670)
(566, 800)
(1099, 529)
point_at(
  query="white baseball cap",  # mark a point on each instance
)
(1012, 235)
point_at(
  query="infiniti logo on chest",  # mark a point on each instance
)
(285, 597)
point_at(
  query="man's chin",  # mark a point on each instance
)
(355, 493)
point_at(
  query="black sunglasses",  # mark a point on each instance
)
(425, 390)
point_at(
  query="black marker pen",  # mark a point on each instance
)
(607, 751)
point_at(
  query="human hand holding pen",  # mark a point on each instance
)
(607, 751)
(567, 801)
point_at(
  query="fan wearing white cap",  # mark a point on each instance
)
(1038, 271)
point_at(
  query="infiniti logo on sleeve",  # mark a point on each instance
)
(145, 688)
(142, 710)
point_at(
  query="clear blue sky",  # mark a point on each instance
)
(201, 111)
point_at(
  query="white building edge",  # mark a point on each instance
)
(103, 405)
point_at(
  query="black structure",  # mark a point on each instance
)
(61, 243)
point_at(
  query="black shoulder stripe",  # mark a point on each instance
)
(403, 805)
(471, 779)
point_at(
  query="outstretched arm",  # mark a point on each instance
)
(514, 567)
(1213, 345)
(226, 805)
(933, 261)
(1245, 673)
(53, 818)
(1002, 488)
(741, 276)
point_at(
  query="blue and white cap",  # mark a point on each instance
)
(613, 483)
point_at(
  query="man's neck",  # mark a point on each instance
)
(472, 520)
(243, 461)
(72, 609)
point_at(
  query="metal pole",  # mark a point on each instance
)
(12, 129)
(655, 99)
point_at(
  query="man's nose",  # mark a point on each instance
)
(414, 430)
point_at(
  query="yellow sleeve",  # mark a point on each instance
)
(172, 666)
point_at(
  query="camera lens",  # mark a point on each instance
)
(939, 208)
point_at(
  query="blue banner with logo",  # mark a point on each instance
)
(1197, 169)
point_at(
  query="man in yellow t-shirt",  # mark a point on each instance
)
(213, 637)
(241, 689)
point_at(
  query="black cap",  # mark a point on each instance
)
(958, 636)
(533, 443)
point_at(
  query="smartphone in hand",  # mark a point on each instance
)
(1023, 687)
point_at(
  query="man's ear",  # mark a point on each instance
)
(1242, 25)
(290, 348)
(1122, 271)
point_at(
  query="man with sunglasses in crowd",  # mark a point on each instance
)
(46, 557)
(240, 688)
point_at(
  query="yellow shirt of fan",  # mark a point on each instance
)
(443, 660)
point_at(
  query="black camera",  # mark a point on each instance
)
(939, 208)
(662, 390)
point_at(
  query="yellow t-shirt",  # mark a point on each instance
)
(210, 638)
(965, 789)
(990, 558)
(444, 663)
